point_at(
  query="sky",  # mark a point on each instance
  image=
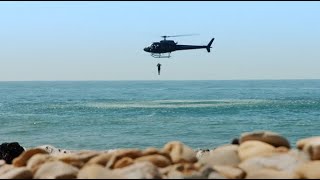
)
(54, 41)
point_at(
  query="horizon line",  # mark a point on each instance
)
(158, 80)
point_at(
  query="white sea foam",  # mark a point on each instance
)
(173, 104)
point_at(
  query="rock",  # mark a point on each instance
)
(249, 149)
(130, 153)
(223, 155)
(186, 171)
(123, 162)
(179, 152)
(309, 170)
(310, 146)
(269, 137)
(302, 142)
(271, 174)
(56, 170)
(17, 173)
(9, 151)
(5, 168)
(2, 162)
(101, 159)
(26, 155)
(53, 150)
(235, 141)
(77, 159)
(37, 160)
(202, 154)
(156, 159)
(139, 170)
(281, 162)
(216, 175)
(230, 172)
(95, 171)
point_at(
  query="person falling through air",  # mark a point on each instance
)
(159, 68)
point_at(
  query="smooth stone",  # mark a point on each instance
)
(17, 173)
(2, 162)
(269, 137)
(252, 148)
(187, 171)
(95, 171)
(179, 152)
(139, 170)
(101, 159)
(26, 155)
(123, 162)
(130, 153)
(223, 155)
(77, 159)
(230, 172)
(302, 142)
(55, 151)
(56, 170)
(202, 154)
(281, 162)
(271, 174)
(5, 168)
(310, 170)
(37, 160)
(156, 159)
(312, 147)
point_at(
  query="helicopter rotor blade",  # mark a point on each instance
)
(180, 35)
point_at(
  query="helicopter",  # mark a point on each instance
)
(167, 46)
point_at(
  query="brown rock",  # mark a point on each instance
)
(17, 173)
(302, 142)
(77, 159)
(230, 172)
(157, 160)
(37, 160)
(56, 170)
(312, 147)
(310, 170)
(249, 149)
(123, 162)
(179, 152)
(130, 153)
(26, 155)
(101, 159)
(139, 170)
(271, 174)
(269, 137)
(95, 171)
(223, 155)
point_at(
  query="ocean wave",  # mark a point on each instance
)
(173, 104)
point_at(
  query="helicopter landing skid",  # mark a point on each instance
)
(158, 55)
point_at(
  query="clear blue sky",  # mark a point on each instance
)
(105, 40)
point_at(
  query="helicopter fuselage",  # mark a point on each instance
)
(168, 46)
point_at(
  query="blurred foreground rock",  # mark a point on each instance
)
(256, 155)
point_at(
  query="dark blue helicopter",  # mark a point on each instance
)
(168, 46)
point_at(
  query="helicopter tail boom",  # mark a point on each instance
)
(209, 45)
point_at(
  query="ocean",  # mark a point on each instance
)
(102, 115)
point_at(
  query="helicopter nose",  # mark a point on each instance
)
(145, 49)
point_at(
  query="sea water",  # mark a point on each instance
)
(102, 115)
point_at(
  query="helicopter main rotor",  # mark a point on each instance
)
(179, 35)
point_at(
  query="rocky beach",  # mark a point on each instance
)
(252, 155)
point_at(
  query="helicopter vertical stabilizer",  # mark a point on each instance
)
(209, 45)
